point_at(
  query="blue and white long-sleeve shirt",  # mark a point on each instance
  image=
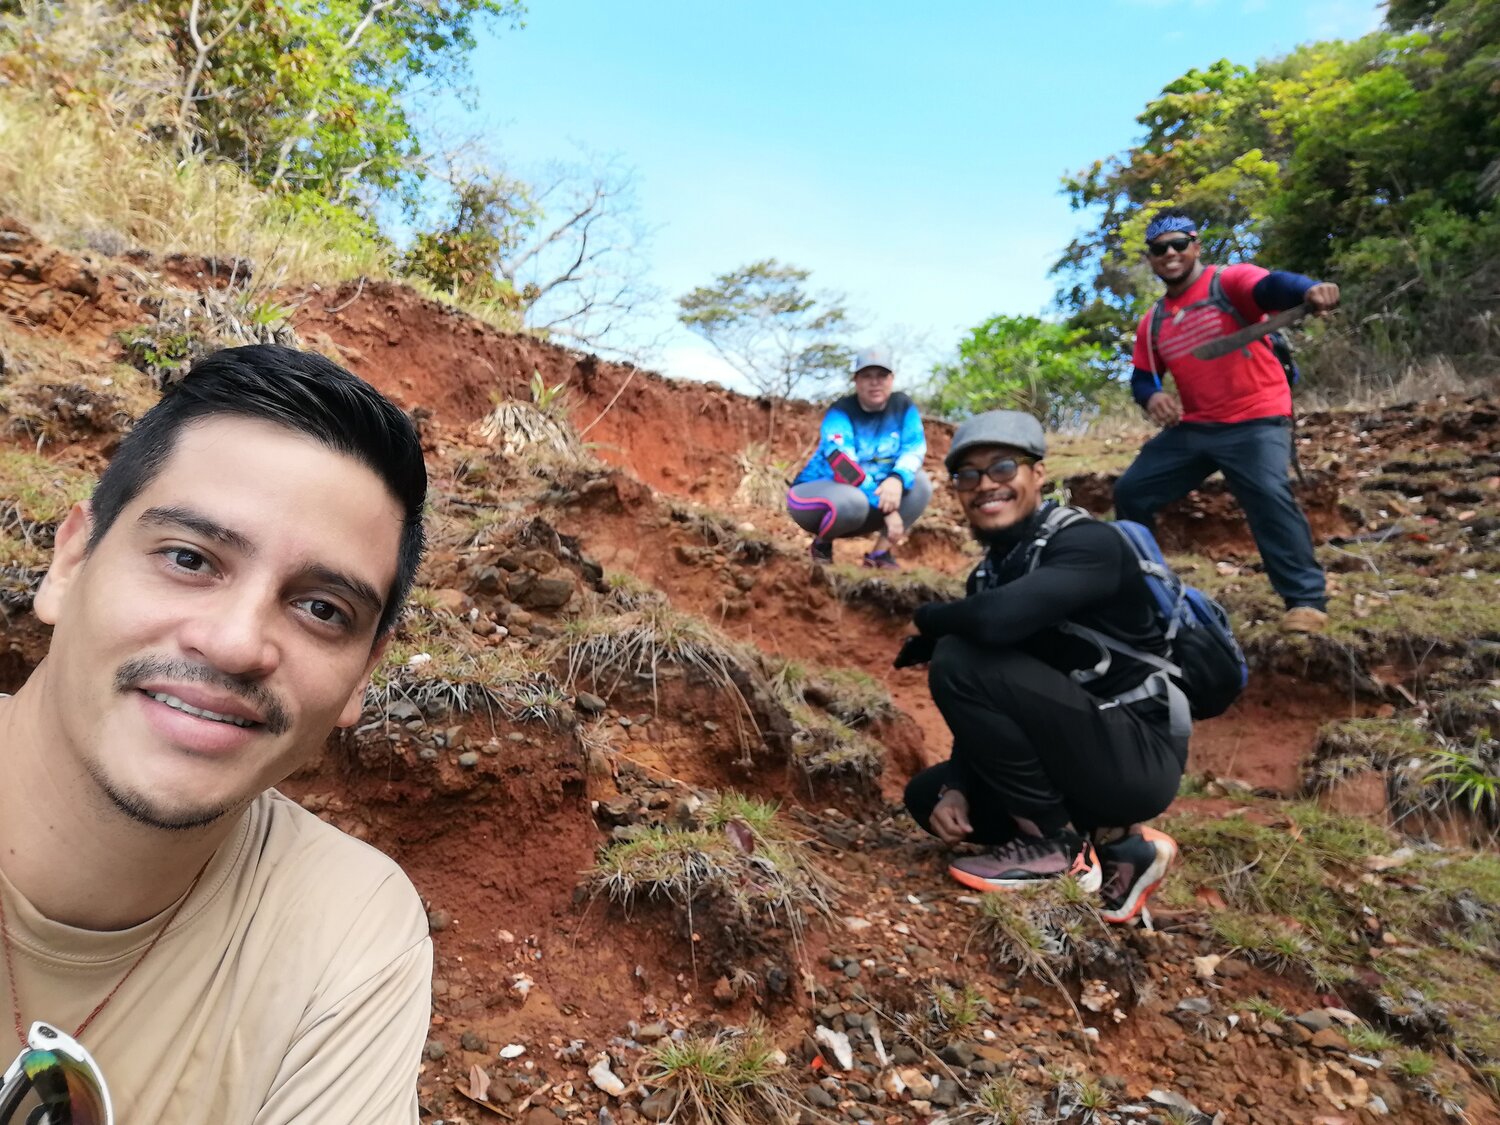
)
(886, 443)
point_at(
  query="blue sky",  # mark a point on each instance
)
(908, 155)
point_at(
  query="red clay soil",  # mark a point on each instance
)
(497, 849)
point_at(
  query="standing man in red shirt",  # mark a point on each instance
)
(1235, 413)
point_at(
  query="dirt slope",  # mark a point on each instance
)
(535, 734)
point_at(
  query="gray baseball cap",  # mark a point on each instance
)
(1014, 428)
(873, 357)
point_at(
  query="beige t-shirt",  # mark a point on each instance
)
(294, 986)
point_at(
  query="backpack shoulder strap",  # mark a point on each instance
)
(1057, 519)
(1219, 299)
(1158, 314)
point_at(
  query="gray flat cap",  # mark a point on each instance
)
(1014, 428)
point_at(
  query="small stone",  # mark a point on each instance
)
(427, 754)
(659, 1104)
(958, 1054)
(1315, 1019)
(1330, 1039)
(471, 1042)
(851, 970)
(816, 1095)
(1298, 1033)
(435, 1050)
(468, 759)
(724, 993)
(945, 1095)
(651, 1032)
(438, 920)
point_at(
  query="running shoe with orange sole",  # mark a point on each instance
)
(1029, 860)
(1133, 868)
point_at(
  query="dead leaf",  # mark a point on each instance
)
(1210, 898)
(479, 1083)
(741, 836)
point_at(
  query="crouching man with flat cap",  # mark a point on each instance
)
(182, 941)
(1051, 775)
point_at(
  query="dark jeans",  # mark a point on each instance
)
(1028, 741)
(1254, 458)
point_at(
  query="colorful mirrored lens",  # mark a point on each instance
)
(54, 1082)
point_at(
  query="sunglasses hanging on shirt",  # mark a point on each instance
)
(54, 1081)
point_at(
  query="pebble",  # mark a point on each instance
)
(471, 1042)
(468, 759)
(435, 1050)
(1316, 1019)
(958, 1054)
(659, 1104)
(604, 1078)
(590, 704)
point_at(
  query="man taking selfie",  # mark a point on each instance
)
(175, 931)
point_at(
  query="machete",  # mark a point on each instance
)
(1249, 334)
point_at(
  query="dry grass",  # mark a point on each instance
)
(639, 644)
(92, 90)
(763, 479)
(733, 1077)
(435, 663)
(89, 91)
(741, 869)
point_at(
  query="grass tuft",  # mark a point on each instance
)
(730, 1078)
(742, 858)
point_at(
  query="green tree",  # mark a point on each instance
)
(1024, 363)
(316, 97)
(768, 327)
(1369, 162)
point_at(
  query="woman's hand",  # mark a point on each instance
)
(888, 492)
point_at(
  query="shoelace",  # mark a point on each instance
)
(1026, 847)
(1120, 878)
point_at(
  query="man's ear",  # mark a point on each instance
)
(1040, 469)
(354, 707)
(70, 549)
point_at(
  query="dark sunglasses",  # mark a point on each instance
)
(1162, 245)
(54, 1081)
(1001, 472)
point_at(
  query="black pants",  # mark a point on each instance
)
(1028, 741)
(1254, 457)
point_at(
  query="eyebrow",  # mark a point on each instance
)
(198, 524)
(356, 589)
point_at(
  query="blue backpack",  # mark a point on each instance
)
(1206, 671)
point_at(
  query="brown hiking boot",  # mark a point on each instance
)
(1303, 619)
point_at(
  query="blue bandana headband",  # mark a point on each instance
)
(1167, 224)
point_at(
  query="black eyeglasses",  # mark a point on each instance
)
(1162, 245)
(1001, 472)
(54, 1081)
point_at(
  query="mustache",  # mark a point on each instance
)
(133, 673)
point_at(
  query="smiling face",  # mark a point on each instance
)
(1175, 265)
(224, 624)
(873, 386)
(996, 506)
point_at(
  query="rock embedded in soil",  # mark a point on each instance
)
(469, 1041)
(659, 1104)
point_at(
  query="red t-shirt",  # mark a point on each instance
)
(1248, 383)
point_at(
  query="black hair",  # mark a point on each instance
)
(302, 391)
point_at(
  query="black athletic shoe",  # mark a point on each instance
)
(1133, 868)
(821, 552)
